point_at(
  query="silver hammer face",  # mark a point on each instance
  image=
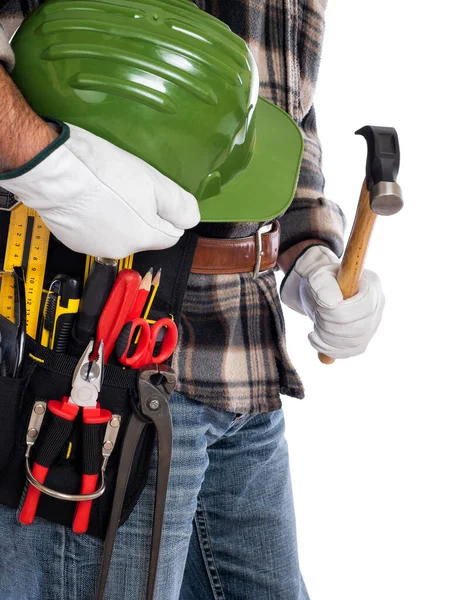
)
(383, 163)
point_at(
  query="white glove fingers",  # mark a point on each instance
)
(359, 320)
(166, 228)
(324, 287)
(338, 340)
(350, 333)
(352, 336)
(342, 328)
(369, 287)
(313, 259)
(101, 200)
(333, 351)
(361, 306)
(175, 204)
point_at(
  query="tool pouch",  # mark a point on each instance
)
(47, 375)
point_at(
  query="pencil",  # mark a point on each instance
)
(142, 295)
(155, 285)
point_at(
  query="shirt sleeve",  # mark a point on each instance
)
(6, 53)
(311, 215)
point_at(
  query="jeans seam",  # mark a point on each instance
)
(66, 577)
(207, 553)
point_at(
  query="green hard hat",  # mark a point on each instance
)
(174, 86)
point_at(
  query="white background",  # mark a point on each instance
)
(370, 445)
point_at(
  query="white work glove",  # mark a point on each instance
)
(98, 199)
(342, 328)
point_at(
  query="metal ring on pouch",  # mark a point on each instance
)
(59, 495)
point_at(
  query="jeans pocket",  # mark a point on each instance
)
(11, 394)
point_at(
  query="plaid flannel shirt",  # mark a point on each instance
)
(232, 350)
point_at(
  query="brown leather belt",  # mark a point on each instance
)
(252, 254)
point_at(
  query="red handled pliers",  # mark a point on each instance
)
(86, 384)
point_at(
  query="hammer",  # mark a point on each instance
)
(380, 195)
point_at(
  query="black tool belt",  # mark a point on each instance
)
(47, 375)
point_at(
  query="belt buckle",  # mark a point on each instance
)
(259, 250)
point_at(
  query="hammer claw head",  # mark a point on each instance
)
(383, 163)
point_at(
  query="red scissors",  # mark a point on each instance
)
(164, 331)
(117, 327)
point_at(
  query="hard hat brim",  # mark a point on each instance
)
(266, 187)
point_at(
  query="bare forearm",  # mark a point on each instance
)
(23, 134)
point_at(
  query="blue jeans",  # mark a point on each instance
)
(229, 530)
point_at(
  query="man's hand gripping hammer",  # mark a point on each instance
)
(380, 195)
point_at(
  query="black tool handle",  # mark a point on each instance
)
(21, 319)
(63, 331)
(9, 335)
(123, 341)
(96, 291)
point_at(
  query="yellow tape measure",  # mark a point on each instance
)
(27, 246)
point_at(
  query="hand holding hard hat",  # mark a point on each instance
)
(183, 99)
(101, 200)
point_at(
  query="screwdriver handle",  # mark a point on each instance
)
(96, 291)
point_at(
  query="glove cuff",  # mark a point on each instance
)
(45, 153)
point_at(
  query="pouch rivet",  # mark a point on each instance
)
(39, 409)
(115, 422)
(32, 433)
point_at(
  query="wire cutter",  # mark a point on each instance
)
(86, 384)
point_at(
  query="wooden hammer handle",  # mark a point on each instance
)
(352, 263)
